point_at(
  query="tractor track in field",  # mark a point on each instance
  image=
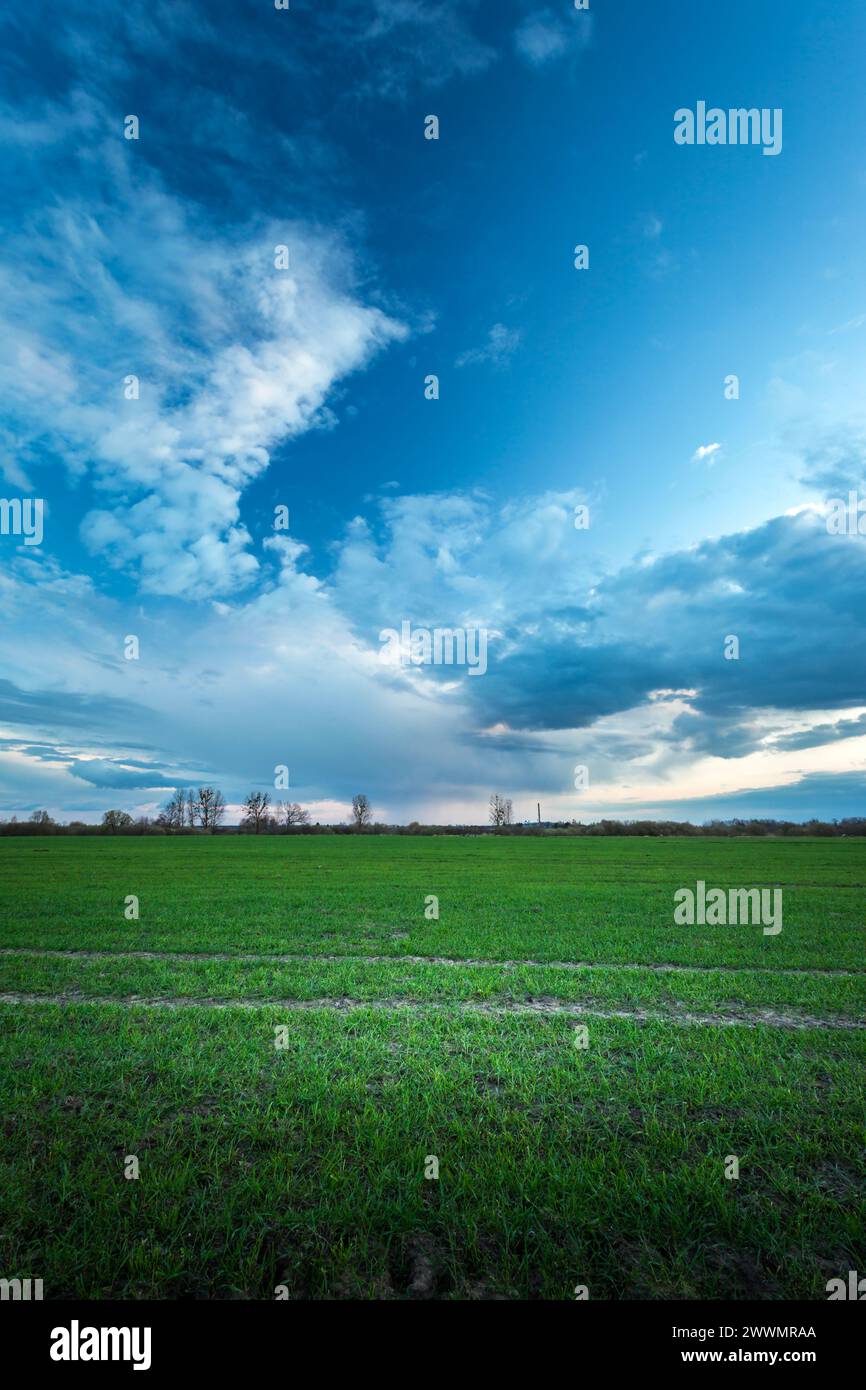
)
(470, 962)
(544, 1008)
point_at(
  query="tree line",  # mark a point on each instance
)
(206, 814)
(295, 820)
(205, 810)
(191, 810)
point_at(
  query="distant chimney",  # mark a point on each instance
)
(538, 804)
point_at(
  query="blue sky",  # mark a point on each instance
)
(304, 388)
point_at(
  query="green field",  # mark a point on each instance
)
(408, 1038)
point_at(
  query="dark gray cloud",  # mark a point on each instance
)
(822, 734)
(61, 709)
(791, 594)
(106, 772)
(566, 682)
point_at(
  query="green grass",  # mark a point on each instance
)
(543, 899)
(304, 1165)
(681, 990)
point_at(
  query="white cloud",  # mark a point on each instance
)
(459, 558)
(546, 35)
(428, 40)
(232, 355)
(706, 452)
(500, 347)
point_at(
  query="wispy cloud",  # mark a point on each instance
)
(230, 356)
(706, 453)
(546, 35)
(497, 351)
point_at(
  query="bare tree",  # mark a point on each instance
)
(362, 812)
(116, 820)
(190, 809)
(500, 810)
(210, 807)
(256, 805)
(172, 814)
(292, 814)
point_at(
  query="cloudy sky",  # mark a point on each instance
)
(173, 386)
